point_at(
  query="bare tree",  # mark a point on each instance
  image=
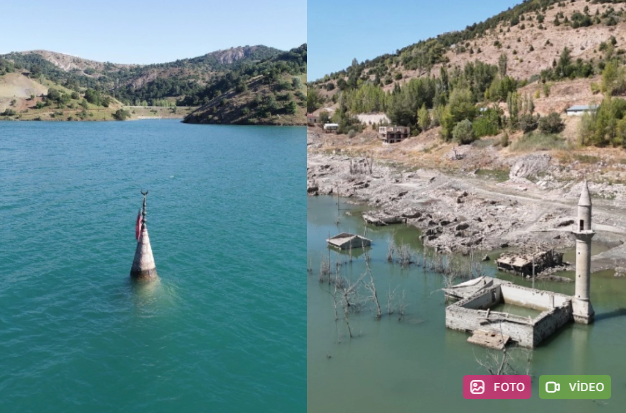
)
(371, 286)
(390, 298)
(402, 305)
(494, 362)
(391, 246)
(324, 269)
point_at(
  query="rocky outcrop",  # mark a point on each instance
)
(530, 166)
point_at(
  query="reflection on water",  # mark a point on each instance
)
(145, 293)
(417, 364)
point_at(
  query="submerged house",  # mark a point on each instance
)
(312, 120)
(522, 264)
(346, 241)
(393, 134)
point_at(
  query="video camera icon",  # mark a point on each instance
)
(556, 387)
(477, 387)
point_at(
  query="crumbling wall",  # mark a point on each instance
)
(550, 321)
(483, 299)
(463, 319)
(532, 298)
(473, 313)
(522, 333)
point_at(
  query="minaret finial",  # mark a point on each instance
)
(143, 210)
(585, 198)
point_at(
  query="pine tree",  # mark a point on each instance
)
(423, 118)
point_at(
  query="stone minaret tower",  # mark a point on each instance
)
(143, 265)
(583, 311)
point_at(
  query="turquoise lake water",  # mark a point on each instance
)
(224, 330)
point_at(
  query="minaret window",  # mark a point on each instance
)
(582, 224)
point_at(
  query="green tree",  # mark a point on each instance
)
(313, 100)
(551, 123)
(121, 114)
(564, 66)
(513, 102)
(502, 65)
(423, 118)
(291, 107)
(613, 78)
(296, 82)
(324, 117)
(460, 107)
(463, 132)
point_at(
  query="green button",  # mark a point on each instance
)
(575, 387)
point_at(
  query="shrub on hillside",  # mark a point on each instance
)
(324, 117)
(488, 124)
(504, 140)
(607, 126)
(463, 132)
(551, 123)
(121, 114)
(528, 123)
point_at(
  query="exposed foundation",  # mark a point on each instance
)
(474, 313)
(493, 329)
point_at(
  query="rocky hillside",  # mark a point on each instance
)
(516, 71)
(532, 35)
(273, 92)
(138, 84)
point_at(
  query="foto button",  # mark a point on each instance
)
(496, 387)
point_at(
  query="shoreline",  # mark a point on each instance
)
(458, 213)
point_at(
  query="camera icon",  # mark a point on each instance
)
(556, 387)
(477, 387)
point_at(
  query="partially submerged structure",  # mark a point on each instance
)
(143, 267)
(393, 134)
(473, 312)
(346, 241)
(381, 219)
(531, 263)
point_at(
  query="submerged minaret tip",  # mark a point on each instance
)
(143, 267)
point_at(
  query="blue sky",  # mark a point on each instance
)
(155, 31)
(340, 30)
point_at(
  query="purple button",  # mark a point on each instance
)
(496, 387)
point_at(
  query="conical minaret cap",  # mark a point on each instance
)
(143, 263)
(585, 199)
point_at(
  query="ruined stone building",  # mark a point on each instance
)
(473, 312)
